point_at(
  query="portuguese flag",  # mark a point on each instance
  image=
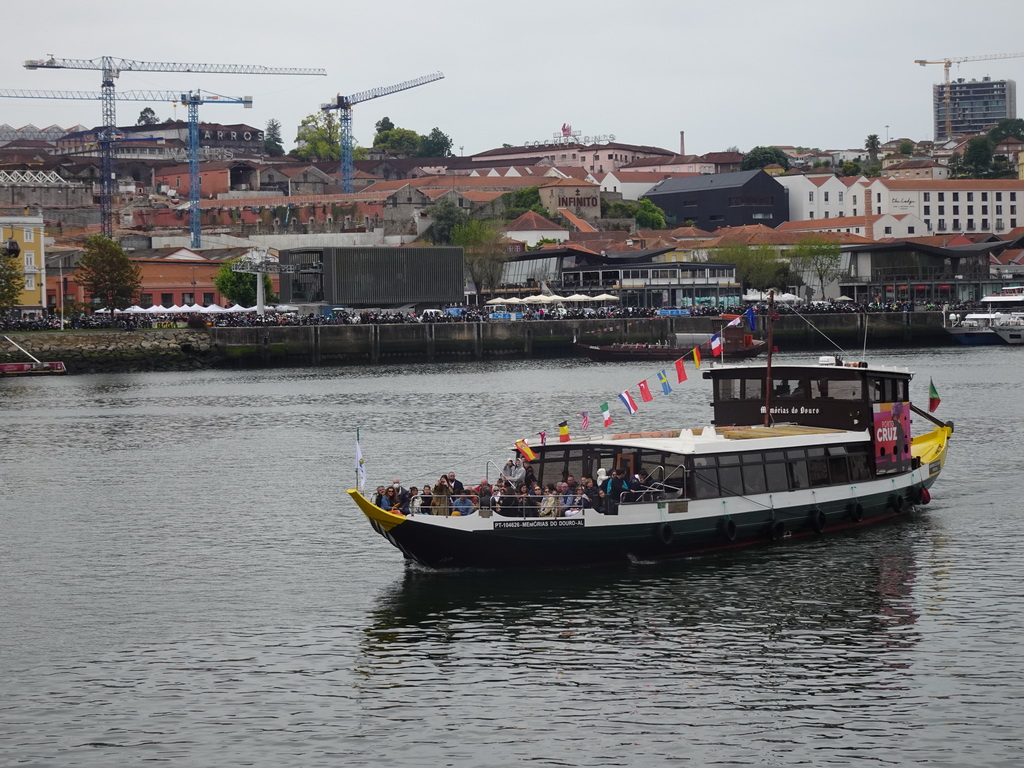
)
(933, 396)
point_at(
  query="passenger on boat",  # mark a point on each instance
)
(571, 482)
(379, 495)
(565, 497)
(455, 485)
(590, 489)
(462, 504)
(427, 499)
(388, 500)
(549, 506)
(617, 486)
(441, 502)
(415, 506)
(602, 502)
(518, 474)
(529, 478)
(400, 493)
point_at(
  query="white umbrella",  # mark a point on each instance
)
(497, 301)
(535, 300)
(844, 298)
(213, 309)
(606, 297)
(134, 309)
(513, 300)
(172, 309)
(578, 297)
(236, 308)
(555, 297)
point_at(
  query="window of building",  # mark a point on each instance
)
(927, 210)
(956, 224)
(826, 197)
(910, 230)
(970, 224)
(855, 202)
(826, 214)
(30, 235)
(956, 210)
(999, 224)
(888, 230)
(167, 299)
(984, 197)
(942, 197)
(1013, 209)
(854, 211)
(970, 210)
(30, 258)
(999, 196)
(984, 224)
(1013, 223)
(207, 299)
(942, 225)
(956, 197)
(999, 210)
(30, 282)
(810, 196)
(840, 197)
(970, 196)
(942, 210)
(810, 214)
(878, 198)
(927, 197)
(928, 224)
(188, 298)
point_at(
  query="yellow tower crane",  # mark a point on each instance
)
(946, 64)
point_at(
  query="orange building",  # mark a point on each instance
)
(169, 276)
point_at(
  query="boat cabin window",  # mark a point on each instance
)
(756, 472)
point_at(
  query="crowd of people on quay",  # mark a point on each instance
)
(453, 314)
(516, 493)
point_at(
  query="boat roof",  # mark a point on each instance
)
(704, 440)
(825, 362)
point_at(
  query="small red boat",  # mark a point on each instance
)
(735, 344)
(15, 369)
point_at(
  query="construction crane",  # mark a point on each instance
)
(107, 138)
(344, 105)
(111, 69)
(947, 88)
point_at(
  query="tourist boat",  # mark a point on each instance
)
(35, 367)
(1001, 322)
(736, 344)
(792, 451)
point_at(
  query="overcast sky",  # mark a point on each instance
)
(740, 73)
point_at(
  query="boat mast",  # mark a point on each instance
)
(768, 367)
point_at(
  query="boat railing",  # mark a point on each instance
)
(661, 489)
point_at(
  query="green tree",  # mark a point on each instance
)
(318, 137)
(147, 117)
(820, 258)
(435, 144)
(872, 144)
(1007, 127)
(906, 148)
(398, 141)
(649, 216)
(106, 273)
(522, 200)
(978, 156)
(957, 167)
(240, 287)
(484, 251)
(272, 144)
(850, 168)
(759, 157)
(757, 267)
(384, 124)
(12, 281)
(446, 216)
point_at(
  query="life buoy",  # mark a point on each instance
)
(895, 502)
(665, 534)
(856, 512)
(776, 530)
(817, 519)
(729, 529)
(926, 496)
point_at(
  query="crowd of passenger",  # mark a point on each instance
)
(516, 493)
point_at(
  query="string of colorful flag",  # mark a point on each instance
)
(626, 397)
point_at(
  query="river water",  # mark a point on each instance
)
(183, 581)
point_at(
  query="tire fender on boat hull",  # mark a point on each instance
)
(855, 511)
(817, 518)
(729, 529)
(665, 534)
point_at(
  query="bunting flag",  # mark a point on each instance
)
(751, 319)
(933, 396)
(543, 437)
(716, 345)
(360, 465)
(524, 449)
(645, 392)
(735, 321)
(680, 370)
(563, 432)
(663, 380)
(607, 414)
(696, 357)
(584, 420)
(627, 400)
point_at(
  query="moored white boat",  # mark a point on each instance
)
(998, 324)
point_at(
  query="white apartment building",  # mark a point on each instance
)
(952, 206)
(823, 196)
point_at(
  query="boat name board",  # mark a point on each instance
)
(934, 468)
(556, 522)
(792, 411)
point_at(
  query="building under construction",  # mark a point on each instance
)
(972, 106)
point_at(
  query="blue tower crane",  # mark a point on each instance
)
(344, 105)
(108, 138)
(111, 69)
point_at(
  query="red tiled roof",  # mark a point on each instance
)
(580, 224)
(532, 221)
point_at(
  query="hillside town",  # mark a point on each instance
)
(899, 221)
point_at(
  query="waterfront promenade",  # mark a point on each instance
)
(312, 345)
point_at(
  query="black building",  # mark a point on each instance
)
(373, 276)
(722, 200)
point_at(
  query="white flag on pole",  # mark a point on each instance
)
(360, 466)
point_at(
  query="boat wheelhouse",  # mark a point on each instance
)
(834, 452)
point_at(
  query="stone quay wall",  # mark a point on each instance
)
(270, 346)
(102, 351)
